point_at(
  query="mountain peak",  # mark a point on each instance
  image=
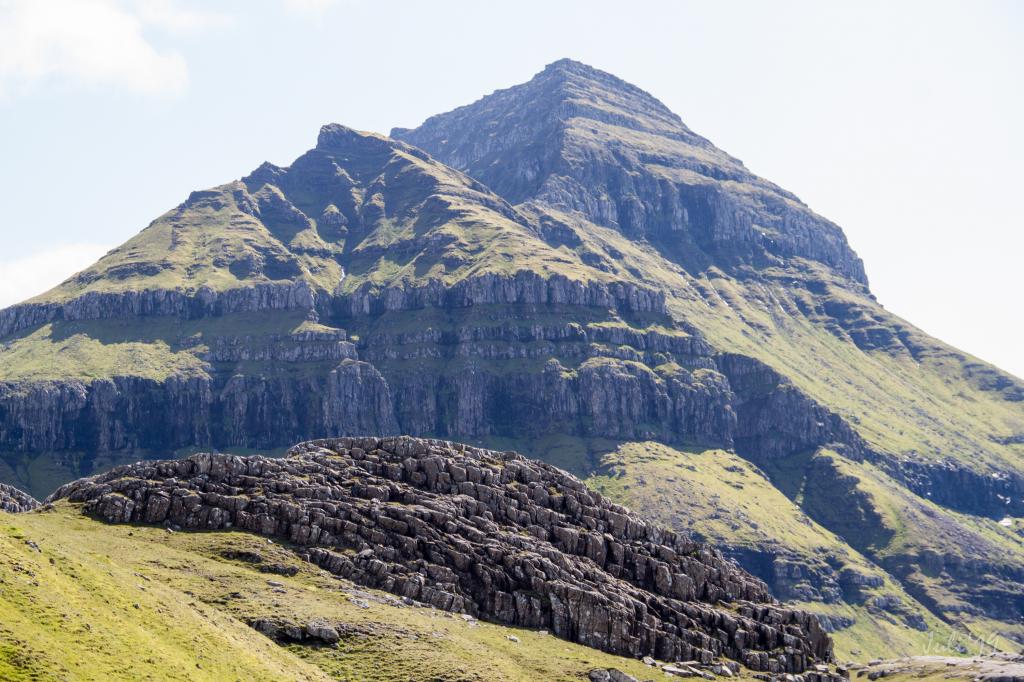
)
(569, 64)
(578, 79)
(581, 140)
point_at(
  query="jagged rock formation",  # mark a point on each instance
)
(491, 534)
(15, 501)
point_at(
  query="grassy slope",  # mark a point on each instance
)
(429, 222)
(186, 248)
(152, 348)
(920, 528)
(101, 602)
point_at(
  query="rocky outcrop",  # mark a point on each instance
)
(230, 409)
(952, 484)
(522, 287)
(15, 501)
(776, 419)
(487, 533)
(204, 302)
(329, 345)
(792, 576)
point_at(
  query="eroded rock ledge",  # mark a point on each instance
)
(15, 501)
(487, 533)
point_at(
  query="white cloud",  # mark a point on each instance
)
(94, 43)
(23, 278)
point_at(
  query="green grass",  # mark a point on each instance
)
(54, 352)
(102, 602)
(154, 348)
(186, 248)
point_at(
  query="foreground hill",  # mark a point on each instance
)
(179, 606)
(586, 281)
(445, 527)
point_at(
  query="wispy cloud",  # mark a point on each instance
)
(95, 43)
(23, 278)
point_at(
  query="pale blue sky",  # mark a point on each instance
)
(898, 120)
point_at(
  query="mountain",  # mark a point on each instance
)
(562, 268)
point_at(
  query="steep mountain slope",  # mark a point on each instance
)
(610, 293)
(930, 440)
(209, 318)
(579, 139)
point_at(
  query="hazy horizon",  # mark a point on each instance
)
(899, 123)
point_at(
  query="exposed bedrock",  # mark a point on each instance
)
(951, 484)
(204, 302)
(626, 161)
(519, 374)
(521, 287)
(488, 289)
(13, 500)
(517, 370)
(235, 409)
(491, 534)
(775, 418)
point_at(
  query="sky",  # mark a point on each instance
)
(899, 121)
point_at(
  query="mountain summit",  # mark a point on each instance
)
(579, 139)
(565, 269)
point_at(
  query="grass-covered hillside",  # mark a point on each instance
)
(84, 600)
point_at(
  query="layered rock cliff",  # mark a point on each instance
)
(486, 533)
(558, 140)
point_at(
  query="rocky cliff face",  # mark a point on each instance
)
(132, 413)
(486, 533)
(521, 370)
(579, 139)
